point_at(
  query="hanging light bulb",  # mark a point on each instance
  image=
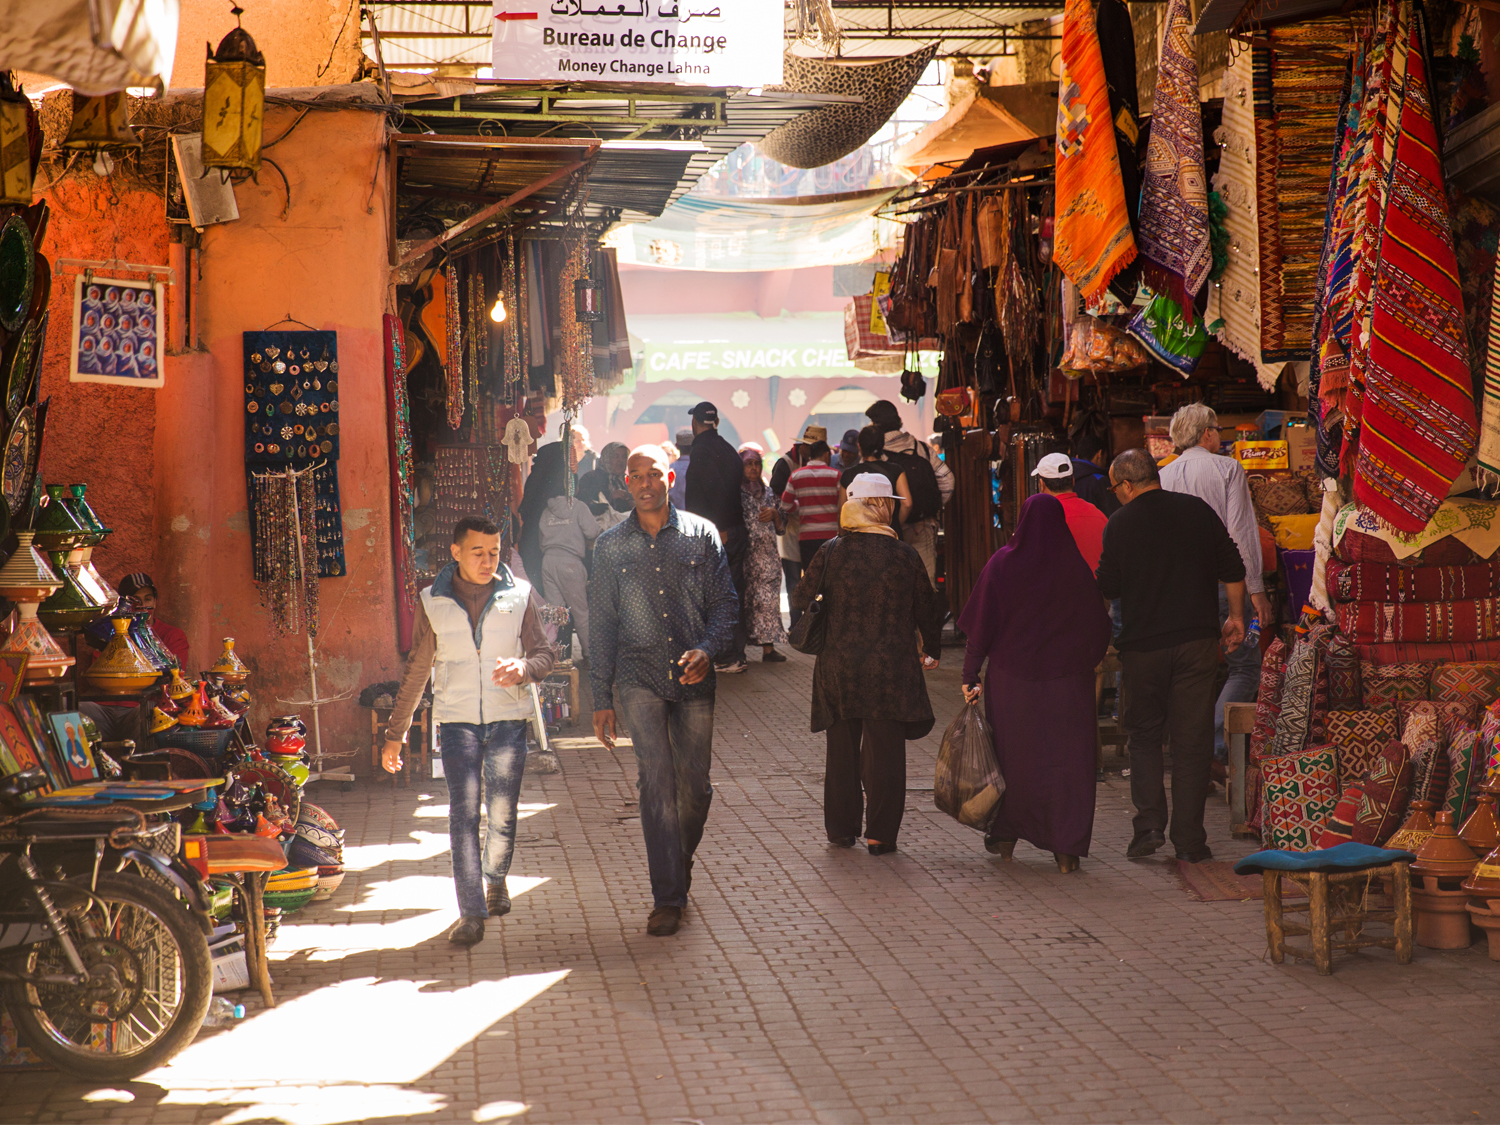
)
(497, 311)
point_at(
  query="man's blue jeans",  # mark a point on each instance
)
(674, 744)
(1243, 684)
(494, 753)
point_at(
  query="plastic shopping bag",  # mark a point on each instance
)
(968, 786)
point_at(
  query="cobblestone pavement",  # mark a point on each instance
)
(809, 983)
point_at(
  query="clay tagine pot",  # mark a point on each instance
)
(1482, 830)
(1418, 827)
(120, 669)
(26, 577)
(229, 665)
(1439, 903)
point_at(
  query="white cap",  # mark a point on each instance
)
(1054, 466)
(870, 486)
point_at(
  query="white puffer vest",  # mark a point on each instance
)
(463, 690)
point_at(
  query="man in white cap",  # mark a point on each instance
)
(1085, 521)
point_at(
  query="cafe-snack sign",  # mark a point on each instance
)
(674, 42)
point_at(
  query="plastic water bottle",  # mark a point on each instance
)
(223, 1011)
(1252, 634)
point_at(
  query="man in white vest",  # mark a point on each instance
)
(478, 637)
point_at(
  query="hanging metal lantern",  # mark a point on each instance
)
(15, 144)
(234, 102)
(101, 122)
(588, 305)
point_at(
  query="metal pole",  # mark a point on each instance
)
(312, 660)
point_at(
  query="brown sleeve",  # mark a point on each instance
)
(414, 679)
(540, 657)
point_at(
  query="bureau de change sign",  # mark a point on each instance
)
(674, 42)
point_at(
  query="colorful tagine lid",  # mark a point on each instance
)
(1482, 830)
(1444, 855)
(26, 577)
(84, 511)
(120, 668)
(161, 721)
(57, 528)
(69, 606)
(179, 688)
(229, 665)
(1413, 834)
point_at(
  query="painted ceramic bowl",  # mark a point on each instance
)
(319, 836)
(301, 853)
(329, 879)
(316, 814)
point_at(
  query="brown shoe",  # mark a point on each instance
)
(496, 898)
(664, 921)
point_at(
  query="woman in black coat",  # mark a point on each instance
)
(869, 694)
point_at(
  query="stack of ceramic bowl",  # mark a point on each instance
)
(286, 746)
(291, 888)
(319, 839)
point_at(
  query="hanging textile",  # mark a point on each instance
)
(1116, 36)
(1489, 439)
(454, 332)
(1173, 236)
(1093, 241)
(1417, 424)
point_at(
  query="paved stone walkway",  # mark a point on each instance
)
(938, 984)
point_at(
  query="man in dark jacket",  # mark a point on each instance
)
(1165, 554)
(713, 492)
(1090, 480)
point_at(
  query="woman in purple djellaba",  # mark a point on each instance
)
(1037, 616)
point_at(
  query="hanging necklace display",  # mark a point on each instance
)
(510, 338)
(479, 332)
(455, 371)
(403, 476)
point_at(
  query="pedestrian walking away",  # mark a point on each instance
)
(661, 608)
(1220, 483)
(930, 480)
(1164, 555)
(760, 600)
(869, 695)
(478, 637)
(812, 495)
(786, 542)
(713, 492)
(871, 441)
(567, 528)
(1085, 521)
(1036, 618)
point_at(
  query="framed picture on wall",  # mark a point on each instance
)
(119, 332)
(73, 745)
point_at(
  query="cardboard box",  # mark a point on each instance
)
(1257, 455)
(1302, 445)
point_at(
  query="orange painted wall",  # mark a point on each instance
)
(167, 466)
(305, 42)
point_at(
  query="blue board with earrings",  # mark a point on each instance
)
(292, 422)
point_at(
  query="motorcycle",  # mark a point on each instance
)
(104, 961)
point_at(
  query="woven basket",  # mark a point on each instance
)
(205, 743)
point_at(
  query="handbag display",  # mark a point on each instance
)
(810, 634)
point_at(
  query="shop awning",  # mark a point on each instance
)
(704, 233)
(1225, 15)
(976, 122)
(133, 45)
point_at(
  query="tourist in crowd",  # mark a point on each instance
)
(1220, 483)
(812, 495)
(1090, 478)
(1164, 555)
(786, 543)
(478, 639)
(930, 491)
(548, 478)
(871, 442)
(1036, 616)
(661, 607)
(868, 694)
(1086, 522)
(678, 492)
(848, 450)
(760, 600)
(568, 527)
(713, 492)
(603, 489)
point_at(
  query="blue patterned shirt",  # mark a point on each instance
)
(651, 600)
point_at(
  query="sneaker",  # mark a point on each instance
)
(664, 921)
(773, 657)
(1144, 844)
(496, 900)
(731, 669)
(469, 932)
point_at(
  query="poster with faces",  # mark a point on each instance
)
(118, 332)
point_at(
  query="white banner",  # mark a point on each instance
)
(673, 42)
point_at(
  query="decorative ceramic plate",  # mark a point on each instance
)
(25, 362)
(18, 462)
(17, 272)
(275, 781)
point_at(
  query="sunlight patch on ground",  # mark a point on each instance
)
(523, 810)
(499, 1111)
(425, 845)
(109, 1096)
(372, 1036)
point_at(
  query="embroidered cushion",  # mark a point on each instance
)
(1470, 619)
(1463, 775)
(1473, 682)
(1343, 674)
(1278, 498)
(1371, 809)
(1301, 791)
(1359, 737)
(1421, 731)
(1488, 750)
(1356, 546)
(1383, 685)
(1451, 717)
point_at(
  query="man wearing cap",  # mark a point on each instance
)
(786, 543)
(1086, 522)
(921, 531)
(848, 450)
(678, 492)
(141, 590)
(713, 492)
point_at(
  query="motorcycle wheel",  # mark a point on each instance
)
(151, 983)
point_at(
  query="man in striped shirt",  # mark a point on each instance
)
(813, 493)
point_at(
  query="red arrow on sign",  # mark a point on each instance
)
(515, 15)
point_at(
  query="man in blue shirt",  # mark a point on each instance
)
(662, 606)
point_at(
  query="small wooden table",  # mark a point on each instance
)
(1336, 900)
(418, 744)
(1239, 721)
(246, 862)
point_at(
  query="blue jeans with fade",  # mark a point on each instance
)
(494, 755)
(1243, 684)
(674, 742)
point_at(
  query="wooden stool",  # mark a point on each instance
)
(1239, 722)
(1336, 900)
(418, 745)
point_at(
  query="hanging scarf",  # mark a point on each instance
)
(1093, 240)
(1174, 199)
(1417, 421)
(866, 515)
(1489, 437)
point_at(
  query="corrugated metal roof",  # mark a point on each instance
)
(1221, 15)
